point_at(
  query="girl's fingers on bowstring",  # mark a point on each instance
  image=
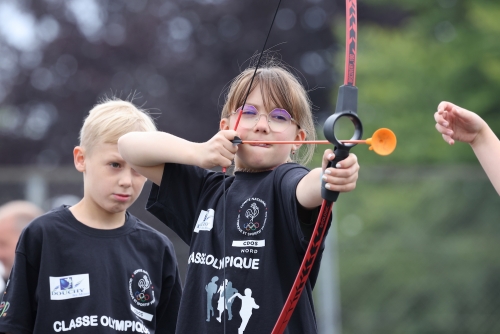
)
(220, 151)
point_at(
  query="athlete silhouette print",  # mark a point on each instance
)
(221, 304)
(247, 306)
(211, 289)
(230, 291)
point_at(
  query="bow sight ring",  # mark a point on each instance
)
(347, 107)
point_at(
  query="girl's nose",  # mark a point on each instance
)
(262, 124)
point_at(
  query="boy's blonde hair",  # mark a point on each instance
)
(279, 88)
(111, 119)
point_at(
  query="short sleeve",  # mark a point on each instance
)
(177, 190)
(174, 202)
(19, 305)
(287, 178)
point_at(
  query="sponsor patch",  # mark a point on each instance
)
(68, 287)
(205, 221)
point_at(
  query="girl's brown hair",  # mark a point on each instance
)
(279, 88)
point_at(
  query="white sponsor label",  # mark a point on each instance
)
(68, 287)
(141, 314)
(249, 243)
(205, 221)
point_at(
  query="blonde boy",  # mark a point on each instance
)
(93, 267)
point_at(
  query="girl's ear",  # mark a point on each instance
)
(224, 124)
(300, 136)
(79, 158)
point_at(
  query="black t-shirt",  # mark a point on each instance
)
(72, 278)
(255, 259)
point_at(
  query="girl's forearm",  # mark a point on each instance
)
(148, 149)
(309, 189)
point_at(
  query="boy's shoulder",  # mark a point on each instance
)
(48, 220)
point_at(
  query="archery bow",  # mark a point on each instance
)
(347, 101)
(383, 143)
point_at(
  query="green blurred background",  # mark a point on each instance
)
(419, 238)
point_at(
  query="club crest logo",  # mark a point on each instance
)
(141, 288)
(252, 216)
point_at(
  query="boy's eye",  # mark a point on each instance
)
(115, 165)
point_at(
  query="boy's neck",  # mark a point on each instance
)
(92, 215)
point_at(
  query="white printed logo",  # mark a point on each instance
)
(68, 287)
(141, 288)
(205, 221)
(249, 243)
(252, 217)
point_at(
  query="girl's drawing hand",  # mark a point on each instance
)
(218, 151)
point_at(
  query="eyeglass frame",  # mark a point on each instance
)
(258, 116)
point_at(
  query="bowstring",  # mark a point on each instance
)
(224, 169)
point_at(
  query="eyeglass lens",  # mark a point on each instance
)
(278, 119)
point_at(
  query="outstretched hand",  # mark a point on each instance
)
(456, 123)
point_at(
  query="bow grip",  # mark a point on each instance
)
(330, 195)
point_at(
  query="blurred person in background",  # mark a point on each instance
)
(14, 216)
(456, 123)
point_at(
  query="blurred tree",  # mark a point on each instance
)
(174, 57)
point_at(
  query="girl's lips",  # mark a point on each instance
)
(261, 145)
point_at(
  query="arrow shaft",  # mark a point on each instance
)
(270, 142)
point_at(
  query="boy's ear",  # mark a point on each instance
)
(79, 158)
(224, 124)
